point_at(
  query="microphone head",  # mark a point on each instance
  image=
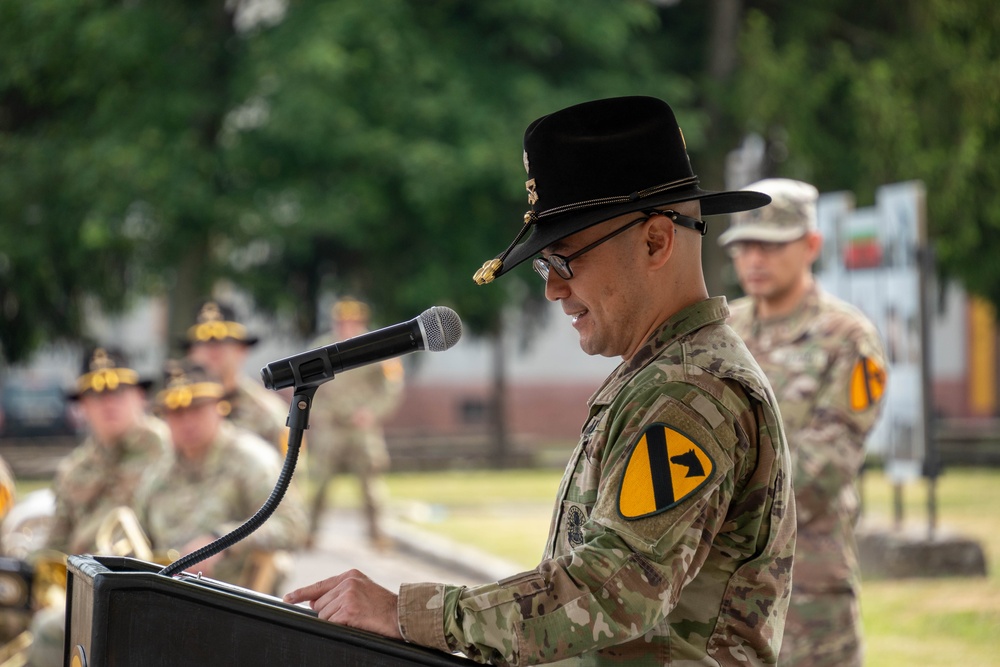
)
(441, 327)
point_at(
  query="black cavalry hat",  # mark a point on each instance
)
(186, 383)
(595, 161)
(216, 322)
(105, 369)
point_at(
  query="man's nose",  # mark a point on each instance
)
(556, 287)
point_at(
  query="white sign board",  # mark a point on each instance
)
(870, 259)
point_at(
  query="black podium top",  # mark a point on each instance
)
(121, 613)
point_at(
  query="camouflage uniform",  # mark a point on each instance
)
(826, 364)
(95, 478)
(336, 444)
(696, 571)
(259, 411)
(8, 491)
(179, 501)
(91, 481)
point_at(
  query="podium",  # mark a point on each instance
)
(120, 612)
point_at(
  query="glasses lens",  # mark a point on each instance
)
(541, 267)
(560, 266)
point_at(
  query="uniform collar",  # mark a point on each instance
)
(792, 325)
(713, 310)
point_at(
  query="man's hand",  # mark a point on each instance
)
(352, 599)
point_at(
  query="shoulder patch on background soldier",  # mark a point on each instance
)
(664, 468)
(867, 384)
(393, 370)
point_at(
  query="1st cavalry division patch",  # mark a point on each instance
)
(867, 384)
(664, 468)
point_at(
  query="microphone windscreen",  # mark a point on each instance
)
(442, 328)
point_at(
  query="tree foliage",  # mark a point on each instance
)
(852, 95)
(368, 147)
(373, 147)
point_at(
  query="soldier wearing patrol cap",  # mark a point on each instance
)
(346, 422)
(672, 536)
(218, 477)
(218, 342)
(826, 364)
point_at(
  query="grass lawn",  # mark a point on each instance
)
(937, 622)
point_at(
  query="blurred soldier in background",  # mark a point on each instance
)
(826, 363)
(100, 475)
(103, 472)
(12, 620)
(8, 492)
(346, 423)
(217, 478)
(220, 344)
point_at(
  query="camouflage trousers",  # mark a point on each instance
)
(822, 630)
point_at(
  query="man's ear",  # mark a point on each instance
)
(814, 244)
(660, 239)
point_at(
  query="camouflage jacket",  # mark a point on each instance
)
(179, 500)
(671, 540)
(826, 364)
(95, 478)
(259, 411)
(8, 489)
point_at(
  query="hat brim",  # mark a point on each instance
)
(762, 233)
(144, 385)
(249, 341)
(547, 232)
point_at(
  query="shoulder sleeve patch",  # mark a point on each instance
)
(867, 384)
(664, 468)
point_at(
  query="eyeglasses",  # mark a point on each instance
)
(766, 248)
(560, 264)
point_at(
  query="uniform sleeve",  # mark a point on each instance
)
(601, 595)
(388, 388)
(63, 516)
(830, 448)
(623, 580)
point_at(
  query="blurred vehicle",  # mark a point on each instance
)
(36, 407)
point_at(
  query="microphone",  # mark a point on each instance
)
(436, 329)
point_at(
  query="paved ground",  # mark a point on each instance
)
(415, 556)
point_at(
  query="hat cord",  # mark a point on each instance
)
(640, 194)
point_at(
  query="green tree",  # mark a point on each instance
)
(113, 181)
(370, 147)
(851, 95)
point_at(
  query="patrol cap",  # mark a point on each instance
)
(104, 370)
(595, 161)
(185, 384)
(789, 216)
(216, 322)
(350, 309)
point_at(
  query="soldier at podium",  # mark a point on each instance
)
(219, 476)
